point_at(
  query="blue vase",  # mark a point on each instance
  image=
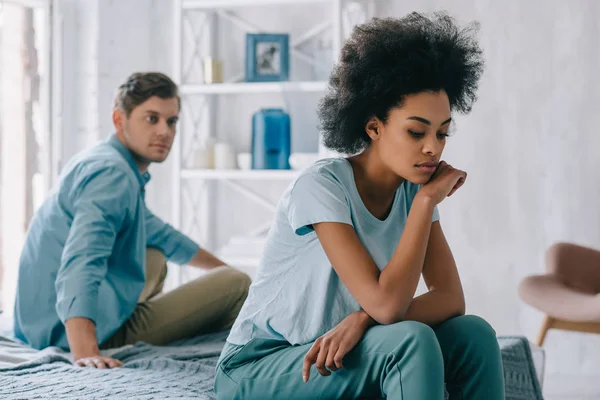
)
(271, 139)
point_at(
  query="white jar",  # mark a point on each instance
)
(204, 157)
(225, 157)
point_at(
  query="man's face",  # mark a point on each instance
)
(150, 129)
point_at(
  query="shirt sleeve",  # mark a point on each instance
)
(436, 214)
(100, 202)
(317, 198)
(176, 246)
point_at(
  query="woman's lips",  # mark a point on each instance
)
(428, 167)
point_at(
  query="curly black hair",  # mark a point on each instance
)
(387, 59)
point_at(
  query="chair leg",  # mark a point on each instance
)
(547, 324)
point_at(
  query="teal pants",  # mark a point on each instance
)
(404, 361)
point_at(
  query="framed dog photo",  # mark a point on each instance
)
(267, 57)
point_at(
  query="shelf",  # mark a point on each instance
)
(254, 87)
(199, 4)
(238, 174)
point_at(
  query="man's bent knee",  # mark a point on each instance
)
(238, 278)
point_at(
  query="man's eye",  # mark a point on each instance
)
(152, 119)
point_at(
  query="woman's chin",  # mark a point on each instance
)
(418, 179)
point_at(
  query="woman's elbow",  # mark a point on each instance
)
(460, 306)
(386, 315)
(384, 319)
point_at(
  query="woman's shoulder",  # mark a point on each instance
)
(334, 170)
(326, 178)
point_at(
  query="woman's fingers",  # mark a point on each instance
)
(339, 355)
(326, 354)
(330, 363)
(310, 359)
(459, 183)
(322, 356)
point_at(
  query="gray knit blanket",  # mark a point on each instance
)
(185, 370)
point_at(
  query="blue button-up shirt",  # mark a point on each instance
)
(85, 250)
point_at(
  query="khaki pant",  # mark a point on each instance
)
(208, 304)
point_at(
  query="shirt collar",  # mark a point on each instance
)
(124, 151)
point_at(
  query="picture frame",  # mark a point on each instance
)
(267, 57)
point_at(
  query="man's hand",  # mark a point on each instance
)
(328, 351)
(81, 334)
(97, 362)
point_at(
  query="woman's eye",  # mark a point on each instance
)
(442, 135)
(417, 135)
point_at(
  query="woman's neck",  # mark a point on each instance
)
(376, 184)
(373, 175)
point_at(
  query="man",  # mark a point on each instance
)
(94, 257)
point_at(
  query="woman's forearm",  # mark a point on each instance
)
(399, 279)
(365, 319)
(435, 306)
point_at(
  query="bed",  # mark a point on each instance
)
(184, 370)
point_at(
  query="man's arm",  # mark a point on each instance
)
(176, 246)
(100, 205)
(206, 260)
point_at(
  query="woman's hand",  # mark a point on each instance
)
(443, 183)
(328, 351)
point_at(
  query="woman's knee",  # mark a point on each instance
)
(473, 334)
(418, 337)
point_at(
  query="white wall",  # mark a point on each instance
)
(530, 144)
(103, 42)
(531, 150)
(79, 75)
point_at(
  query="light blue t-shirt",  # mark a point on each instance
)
(85, 250)
(297, 296)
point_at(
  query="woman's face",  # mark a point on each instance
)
(412, 140)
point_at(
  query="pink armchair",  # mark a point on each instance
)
(569, 292)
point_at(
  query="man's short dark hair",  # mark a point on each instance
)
(140, 86)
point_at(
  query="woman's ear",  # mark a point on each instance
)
(372, 128)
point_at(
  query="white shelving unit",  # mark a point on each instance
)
(209, 4)
(204, 43)
(236, 174)
(258, 87)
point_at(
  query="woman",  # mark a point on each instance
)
(352, 236)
